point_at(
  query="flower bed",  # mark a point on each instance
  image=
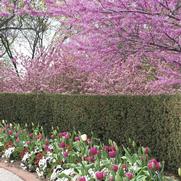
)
(64, 156)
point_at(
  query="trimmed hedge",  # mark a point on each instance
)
(151, 120)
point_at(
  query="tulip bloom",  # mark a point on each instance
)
(65, 154)
(82, 179)
(129, 175)
(83, 137)
(154, 165)
(115, 168)
(10, 132)
(62, 145)
(93, 151)
(124, 167)
(146, 150)
(17, 140)
(100, 175)
(77, 138)
(112, 154)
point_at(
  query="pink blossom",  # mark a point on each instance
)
(100, 175)
(111, 178)
(17, 140)
(77, 138)
(89, 159)
(62, 145)
(146, 150)
(154, 165)
(129, 175)
(124, 167)
(28, 142)
(115, 168)
(102, 59)
(93, 151)
(65, 154)
(112, 154)
(82, 179)
(31, 135)
(10, 132)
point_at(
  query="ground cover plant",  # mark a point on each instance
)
(75, 156)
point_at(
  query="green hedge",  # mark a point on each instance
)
(151, 120)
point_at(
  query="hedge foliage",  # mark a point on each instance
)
(151, 120)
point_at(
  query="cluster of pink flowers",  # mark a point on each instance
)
(120, 47)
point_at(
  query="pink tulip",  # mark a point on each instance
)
(100, 175)
(52, 136)
(31, 135)
(17, 140)
(93, 151)
(115, 168)
(65, 154)
(146, 150)
(112, 154)
(124, 167)
(28, 142)
(129, 175)
(77, 138)
(10, 132)
(106, 148)
(154, 165)
(64, 135)
(89, 158)
(62, 145)
(82, 179)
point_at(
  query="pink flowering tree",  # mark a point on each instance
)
(117, 46)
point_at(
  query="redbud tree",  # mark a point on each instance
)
(116, 46)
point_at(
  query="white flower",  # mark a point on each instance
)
(25, 144)
(37, 150)
(91, 173)
(26, 157)
(39, 172)
(106, 170)
(23, 166)
(8, 152)
(83, 137)
(49, 153)
(75, 178)
(49, 159)
(135, 167)
(59, 170)
(69, 172)
(56, 172)
(42, 163)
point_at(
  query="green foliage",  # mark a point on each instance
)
(153, 121)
